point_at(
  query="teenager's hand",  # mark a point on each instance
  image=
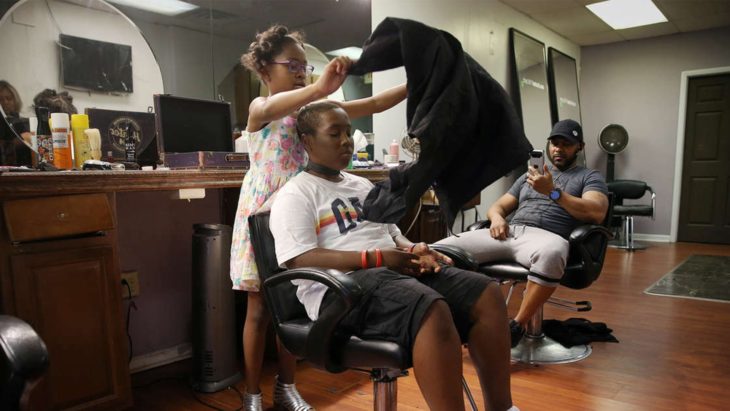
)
(335, 73)
(542, 183)
(401, 261)
(429, 260)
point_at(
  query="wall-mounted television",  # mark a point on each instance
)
(95, 65)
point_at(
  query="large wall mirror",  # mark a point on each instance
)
(564, 94)
(530, 86)
(563, 77)
(192, 54)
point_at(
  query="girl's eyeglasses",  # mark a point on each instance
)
(296, 67)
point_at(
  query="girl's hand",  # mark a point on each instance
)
(335, 73)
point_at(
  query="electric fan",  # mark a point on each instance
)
(411, 145)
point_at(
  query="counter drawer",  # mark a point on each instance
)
(59, 216)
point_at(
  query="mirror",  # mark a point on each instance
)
(564, 95)
(33, 65)
(563, 77)
(196, 53)
(530, 86)
(98, 29)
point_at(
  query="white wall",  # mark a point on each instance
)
(637, 84)
(31, 59)
(483, 29)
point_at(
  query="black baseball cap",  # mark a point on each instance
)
(569, 129)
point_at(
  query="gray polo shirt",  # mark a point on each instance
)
(537, 210)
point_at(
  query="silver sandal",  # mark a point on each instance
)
(287, 397)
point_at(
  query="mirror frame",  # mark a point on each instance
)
(518, 39)
(559, 90)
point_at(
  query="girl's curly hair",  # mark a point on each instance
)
(268, 44)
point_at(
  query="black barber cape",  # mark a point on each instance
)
(469, 131)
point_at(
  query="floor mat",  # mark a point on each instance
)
(701, 277)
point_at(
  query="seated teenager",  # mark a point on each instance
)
(409, 297)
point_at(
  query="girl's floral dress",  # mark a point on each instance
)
(276, 155)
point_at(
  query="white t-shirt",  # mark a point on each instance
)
(311, 212)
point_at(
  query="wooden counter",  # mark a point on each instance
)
(31, 184)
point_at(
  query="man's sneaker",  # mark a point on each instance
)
(287, 397)
(516, 331)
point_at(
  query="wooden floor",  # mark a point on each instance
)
(674, 354)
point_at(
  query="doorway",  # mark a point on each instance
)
(704, 206)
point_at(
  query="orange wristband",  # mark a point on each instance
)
(378, 258)
(364, 259)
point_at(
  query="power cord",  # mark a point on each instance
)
(211, 406)
(415, 217)
(129, 315)
(193, 392)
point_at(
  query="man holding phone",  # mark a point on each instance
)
(547, 204)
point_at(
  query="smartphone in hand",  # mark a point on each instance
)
(537, 161)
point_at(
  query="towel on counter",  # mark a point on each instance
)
(470, 134)
(577, 331)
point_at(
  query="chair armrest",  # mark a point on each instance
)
(581, 233)
(479, 225)
(321, 338)
(462, 258)
(587, 249)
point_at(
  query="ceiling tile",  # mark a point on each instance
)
(702, 23)
(590, 39)
(652, 30)
(680, 9)
(531, 7)
(570, 21)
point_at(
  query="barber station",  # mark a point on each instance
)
(498, 205)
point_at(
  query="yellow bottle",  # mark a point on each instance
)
(82, 148)
(62, 157)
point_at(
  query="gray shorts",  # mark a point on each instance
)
(393, 305)
(540, 251)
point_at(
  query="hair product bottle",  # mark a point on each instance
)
(82, 148)
(394, 149)
(33, 130)
(43, 136)
(60, 128)
(130, 144)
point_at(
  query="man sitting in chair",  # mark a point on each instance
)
(548, 205)
(408, 296)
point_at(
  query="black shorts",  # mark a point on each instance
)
(393, 305)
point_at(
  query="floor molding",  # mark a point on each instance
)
(162, 357)
(657, 238)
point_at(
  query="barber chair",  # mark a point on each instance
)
(588, 245)
(318, 341)
(23, 358)
(630, 189)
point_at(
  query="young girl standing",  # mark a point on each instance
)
(278, 58)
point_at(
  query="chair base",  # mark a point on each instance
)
(627, 236)
(628, 247)
(544, 350)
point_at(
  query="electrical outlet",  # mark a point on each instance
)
(132, 278)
